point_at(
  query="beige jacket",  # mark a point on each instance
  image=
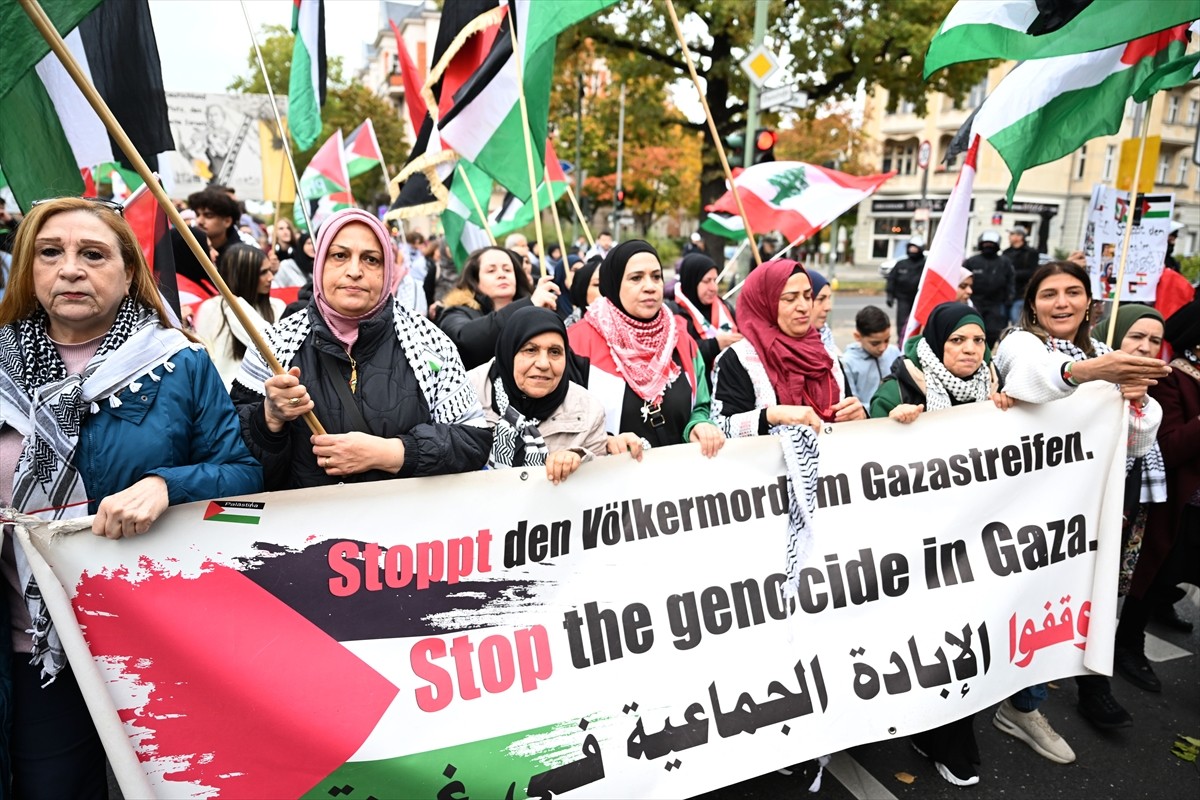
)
(578, 424)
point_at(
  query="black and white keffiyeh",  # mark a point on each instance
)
(941, 384)
(48, 407)
(800, 455)
(827, 337)
(517, 442)
(1073, 351)
(1154, 475)
(430, 353)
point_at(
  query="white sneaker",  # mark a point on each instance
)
(1034, 730)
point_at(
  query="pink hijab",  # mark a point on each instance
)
(343, 327)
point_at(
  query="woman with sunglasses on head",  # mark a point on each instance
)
(244, 269)
(107, 409)
(1046, 358)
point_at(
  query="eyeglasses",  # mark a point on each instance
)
(111, 205)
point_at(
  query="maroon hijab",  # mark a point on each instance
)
(801, 370)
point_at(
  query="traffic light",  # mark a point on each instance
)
(620, 204)
(764, 145)
(735, 150)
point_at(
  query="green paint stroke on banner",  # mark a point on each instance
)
(485, 768)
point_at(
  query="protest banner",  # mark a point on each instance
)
(1108, 211)
(230, 139)
(619, 635)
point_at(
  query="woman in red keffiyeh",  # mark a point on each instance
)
(643, 365)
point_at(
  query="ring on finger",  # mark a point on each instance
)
(293, 401)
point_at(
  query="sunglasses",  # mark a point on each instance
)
(111, 205)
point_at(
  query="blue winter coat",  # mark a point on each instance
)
(182, 428)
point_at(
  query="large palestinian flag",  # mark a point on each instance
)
(48, 131)
(1019, 30)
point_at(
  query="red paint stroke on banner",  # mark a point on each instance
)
(249, 696)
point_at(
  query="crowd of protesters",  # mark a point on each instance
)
(520, 359)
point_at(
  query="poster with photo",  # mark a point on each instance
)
(1104, 237)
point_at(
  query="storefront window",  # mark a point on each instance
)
(890, 235)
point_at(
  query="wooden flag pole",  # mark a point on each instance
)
(475, 201)
(46, 28)
(533, 193)
(712, 128)
(283, 134)
(587, 232)
(1133, 195)
(562, 246)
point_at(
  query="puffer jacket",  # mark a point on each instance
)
(390, 401)
(468, 319)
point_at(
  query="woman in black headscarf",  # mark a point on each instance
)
(644, 367)
(585, 287)
(709, 318)
(539, 415)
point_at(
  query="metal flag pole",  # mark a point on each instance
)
(46, 28)
(283, 134)
(791, 244)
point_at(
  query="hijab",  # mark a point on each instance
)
(819, 282)
(944, 320)
(643, 350)
(800, 369)
(303, 260)
(344, 328)
(522, 326)
(516, 440)
(1127, 314)
(711, 319)
(580, 281)
(942, 387)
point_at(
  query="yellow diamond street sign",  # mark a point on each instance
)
(760, 64)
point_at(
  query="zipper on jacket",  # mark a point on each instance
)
(353, 374)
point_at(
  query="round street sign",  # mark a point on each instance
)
(923, 154)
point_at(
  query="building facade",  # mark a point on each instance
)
(1051, 200)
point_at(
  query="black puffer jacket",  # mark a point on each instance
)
(471, 324)
(389, 399)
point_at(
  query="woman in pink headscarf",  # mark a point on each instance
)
(387, 384)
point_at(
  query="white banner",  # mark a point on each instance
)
(218, 139)
(1104, 236)
(618, 635)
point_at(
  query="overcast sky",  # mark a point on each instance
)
(203, 44)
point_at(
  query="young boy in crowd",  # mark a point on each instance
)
(869, 360)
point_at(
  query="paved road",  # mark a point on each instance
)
(1130, 763)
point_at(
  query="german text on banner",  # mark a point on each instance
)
(619, 635)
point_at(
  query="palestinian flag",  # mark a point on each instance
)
(728, 226)
(943, 263)
(48, 132)
(460, 221)
(243, 512)
(514, 214)
(465, 34)
(325, 176)
(362, 150)
(485, 124)
(793, 197)
(1173, 73)
(306, 85)
(1019, 30)
(1046, 109)
(413, 81)
(1149, 206)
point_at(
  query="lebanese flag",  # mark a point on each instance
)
(1020, 30)
(793, 197)
(943, 264)
(1046, 109)
(362, 150)
(48, 131)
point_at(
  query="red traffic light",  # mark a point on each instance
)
(765, 139)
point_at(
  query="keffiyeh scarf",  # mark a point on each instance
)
(516, 442)
(800, 455)
(943, 387)
(1072, 350)
(48, 406)
(643, 350)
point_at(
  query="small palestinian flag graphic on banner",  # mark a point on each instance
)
(1149, 206)
(241, 511)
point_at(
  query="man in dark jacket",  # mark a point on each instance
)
(994, 284)
(1024, 260)
(903, 282)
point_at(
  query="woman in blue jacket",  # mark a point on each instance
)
(105, 409)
